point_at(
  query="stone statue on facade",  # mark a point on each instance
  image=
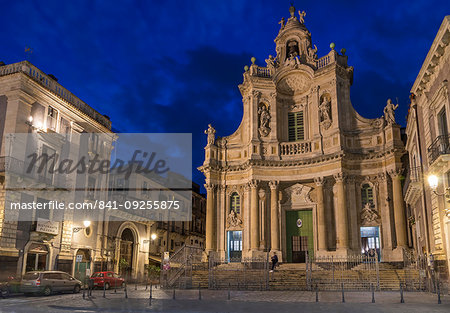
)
(264, 119)
(282, 23)
(302, 15)
(233, 219)
(271, 62)
(211, 132)
(325, 113)
(369, 215)
(312, 54)
(389, 112)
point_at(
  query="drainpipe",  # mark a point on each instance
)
(412, 97)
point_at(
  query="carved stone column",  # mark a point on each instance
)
(321, 223)
(210, 218)
(341, 214)
(399, 209)
(222, 209)
(263, 219)
(274, 220)
(254, 215)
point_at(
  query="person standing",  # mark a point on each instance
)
(274, 261)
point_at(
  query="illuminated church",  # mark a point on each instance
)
(304, 173)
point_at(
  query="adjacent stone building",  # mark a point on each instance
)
(428, 146)
(33, 102)
(304, 173)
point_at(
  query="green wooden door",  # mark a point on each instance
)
(299, 235)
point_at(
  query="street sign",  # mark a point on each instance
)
(79, 258)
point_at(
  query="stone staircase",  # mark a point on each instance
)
(294, 277)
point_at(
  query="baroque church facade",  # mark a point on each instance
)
(304, 174)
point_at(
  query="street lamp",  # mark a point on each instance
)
(433, 181)
(153, 236)
(86, 225)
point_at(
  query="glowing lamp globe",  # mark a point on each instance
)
(87, 224)
(433, 181)
(153, 236)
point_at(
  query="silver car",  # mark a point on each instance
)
(48, 282)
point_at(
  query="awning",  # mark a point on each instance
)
(155, 258)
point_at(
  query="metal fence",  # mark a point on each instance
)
(243, 273)
(361, 272)
(181, 263)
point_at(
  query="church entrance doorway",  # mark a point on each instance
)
(234, 244)
(370, 241)
(299, 235)
(126, 252)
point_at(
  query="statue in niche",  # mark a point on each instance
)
(211, 132)
(312, 54)
(264, 119)
(292, 56)
(389, 112)
(325, 110)
(302, 15)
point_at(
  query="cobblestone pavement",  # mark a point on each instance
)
(217, 301)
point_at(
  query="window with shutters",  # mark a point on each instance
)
(235, 204)
(367, 195)
(296, 127)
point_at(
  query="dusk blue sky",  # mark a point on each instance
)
(174, 66)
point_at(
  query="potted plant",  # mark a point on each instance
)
(153, 273)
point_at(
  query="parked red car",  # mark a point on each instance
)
(106, 279)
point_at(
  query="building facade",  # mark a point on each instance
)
(32, 102)
(428, 147)
(304, 173)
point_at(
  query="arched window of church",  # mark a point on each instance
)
(367, 195)
(235, 204)
(296, 127)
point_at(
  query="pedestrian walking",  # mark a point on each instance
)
(274, 261)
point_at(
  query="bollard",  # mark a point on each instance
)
(229, 296)
(343, 298)
(104, 289)
(115, 287)
(401, 294)
(126, 292)
(238, 286)
(317, 294)
(150, 298)
(439, 293)
(146, 284)
(90, 287)
(373, 293)
(135, 285)
(84, 287)
(173, 297)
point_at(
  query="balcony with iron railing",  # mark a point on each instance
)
(50, 83)
(440, 146)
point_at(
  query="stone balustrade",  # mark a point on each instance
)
(295, 148)
(49, 83)
(260, 71)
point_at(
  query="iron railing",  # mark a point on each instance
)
(441, 145)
